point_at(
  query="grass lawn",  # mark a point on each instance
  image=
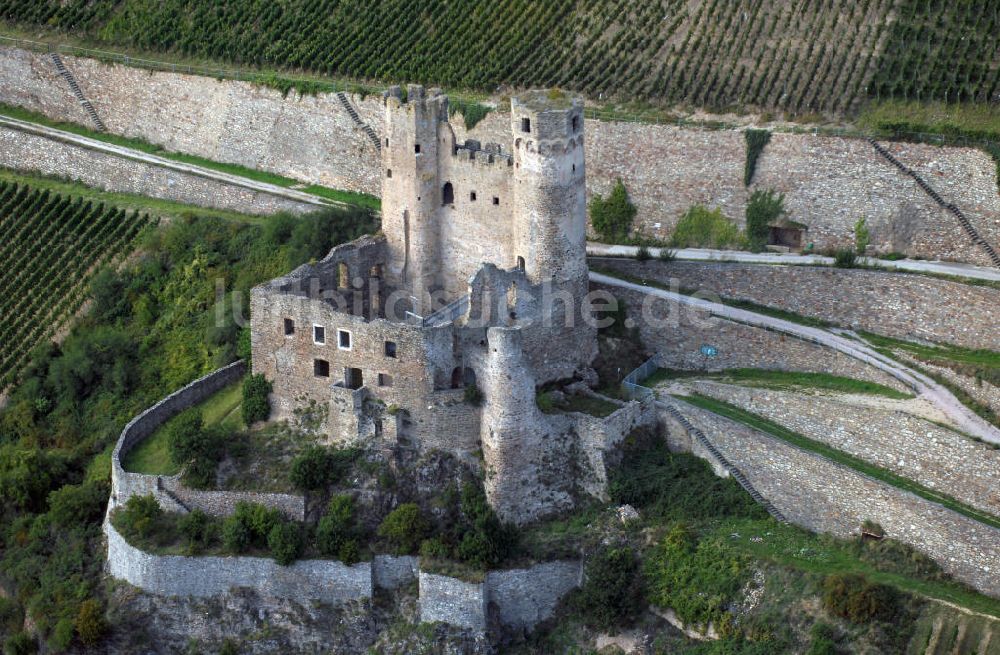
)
(262, 459)
(768, 427)
(348, 197)
(152, 456)
(800, 549)
(586, 405)
(988, 359)
(782, 380)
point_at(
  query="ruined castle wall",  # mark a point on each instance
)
(598, 440)
(453, 601)
(829, 182)
(901, 305)
(475, 231)
(325, 581)
(393, 572)
(938, 458)
(822, 496)
(33, 153)
(678, 332)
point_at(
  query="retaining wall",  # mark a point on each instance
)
(936, 457)
(168, 490)
(678, 332)
(33, 153)
(822, 496)
(907, 306)
(829, 182)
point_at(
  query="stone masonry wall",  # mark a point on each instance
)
(326, 581)
(168, 490)
(829, 182)
(822, 496)
(739, 346)
(938, 458)
(38, 154)
(901, 305)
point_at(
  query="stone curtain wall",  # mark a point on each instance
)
(168, 490)
(907, 306)
(830, 182)
(938, 458)
(738, 345)
(39, 154)
(822, 496)
(325, 581)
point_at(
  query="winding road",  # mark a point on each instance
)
(961, 416)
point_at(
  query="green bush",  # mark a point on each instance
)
(90, 624)
(199, 530)
(756, 140)
(612, 217)
(667, 255)
(140, 517)
(642, 254)
(855, 598)
(255, 404)
(285, 543)
(612, 591)
(77, 504)
(473, 395)
(20, 643)
(434, 548)
(486, 541)
(62, 636)
(316, 467)
(845, 258)
(249, 527)
(404, 528)
(337, 527)
(862, 236)
(763, 208)
(196, 448)
(822, 641)
(703, 228)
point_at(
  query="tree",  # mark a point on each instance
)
(285, 542)
(90, 623)
(255, 404)
(404, 528)
(336, 529)
(612, 590)
(763, 208)
(612, 217)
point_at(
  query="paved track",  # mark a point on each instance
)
(961, 416)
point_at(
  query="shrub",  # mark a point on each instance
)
(756, 140)
(823, 641)
(20, 643)
(90, 624)
(612, 590)
(140, 516)
(473, 395)
(667, 255)
(862, 237)
(612, 217)
(229, 647)
(249, 526)
(855, 598)
(434, 548)
(255, 404)
(703, 228)
(763, 208)
(196, 448)
(198, 529)
(404, 528)
(316, 467)
(62, 635)
(237, 537)
(486, 540)
(337, 527)
(845, 258)
(78, 504)
(285, 542)
(642, 254)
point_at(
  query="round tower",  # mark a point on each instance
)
(550, 230)
(410, 191)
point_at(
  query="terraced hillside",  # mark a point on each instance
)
(51, 245)
(816, 55)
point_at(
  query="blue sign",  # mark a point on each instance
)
(709, 351)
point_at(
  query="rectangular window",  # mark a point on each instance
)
(321, 368)
(289, 327)
(344, 339)
(525, 124)
(390, 349)
(416, 148)
(319, 334)
(384, 380)
(496, 200)
(472, 196)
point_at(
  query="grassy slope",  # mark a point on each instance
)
(152, 456)
(348, 197)
(771, 379)
(768, 427)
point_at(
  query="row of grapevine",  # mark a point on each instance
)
(809, 56)
(51, 245)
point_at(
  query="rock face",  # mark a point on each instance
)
(829, 182)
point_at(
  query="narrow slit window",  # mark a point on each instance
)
(526, 125)
(416, 148)
(388, 172)
(472, 196)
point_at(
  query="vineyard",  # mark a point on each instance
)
(811, 56)
(51, 245)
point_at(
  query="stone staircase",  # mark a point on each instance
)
(726, 464)
(353, 113)
(950, 207)
(181, 506)
(68, 76)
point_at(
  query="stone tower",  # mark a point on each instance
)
(550, 224)
(410, 191)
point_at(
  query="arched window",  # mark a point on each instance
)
(448, 194)
(520, 263)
